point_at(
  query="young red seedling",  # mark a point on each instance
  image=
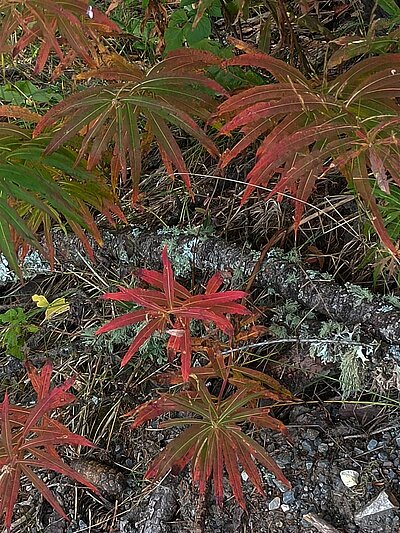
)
(29, 438)
(171, 308)
(213, 441)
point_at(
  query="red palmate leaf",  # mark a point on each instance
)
(29, 438)
(172, 307)
(308, 130)
(213, 442)
(137, 109)
(52, 22)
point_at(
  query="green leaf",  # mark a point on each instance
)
(7, 247)
(390, 6)
(200, 32)
(174, 37)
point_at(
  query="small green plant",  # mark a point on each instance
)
(16, 323)
(15, 326)
(26, 93)
(186, 27)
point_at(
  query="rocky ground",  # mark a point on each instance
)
(341, 459)
(342, 456)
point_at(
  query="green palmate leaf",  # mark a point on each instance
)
(390, 6)
(213, 442)
(306, 131)
(130, 114)
(42, 190)
(7, 247)
(49, 21)
(202, 7)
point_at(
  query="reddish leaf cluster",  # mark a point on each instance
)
(214, 441)
(55, 23)
(136, 110)
(29, 438)
(171, 308)
(351, 123)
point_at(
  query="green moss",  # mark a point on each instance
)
(351, 371)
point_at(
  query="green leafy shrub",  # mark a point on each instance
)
(39, 190)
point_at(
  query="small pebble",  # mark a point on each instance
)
(372, 444)
(280, 485)
(307, 446)
(285, 508)
(288, 497)
(245, 477)
(284, 459)
(349, 478)
(274, 504)
(323, 447)
(312, 434)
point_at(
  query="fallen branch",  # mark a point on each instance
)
(319, 523)
(132, 248)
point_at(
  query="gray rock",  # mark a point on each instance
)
(312, 434)
(280, 485)
(307, 446)
(288, 497)
(372, 444)
(283, 460)
(349, 478)
(384, 502)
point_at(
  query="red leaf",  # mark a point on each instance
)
(28, 438)
(213, 439)
(156, 279)
(142, 336)
(168, 279)
(173, 307)
(123, 321)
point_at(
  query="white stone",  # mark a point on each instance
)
(349, 478)
(245, 477)
(274, 504)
